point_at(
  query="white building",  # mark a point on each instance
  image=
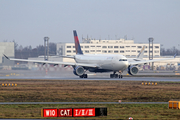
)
(6, 48)
(125, 47)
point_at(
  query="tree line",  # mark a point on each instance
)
(169, 52)
(27, 52)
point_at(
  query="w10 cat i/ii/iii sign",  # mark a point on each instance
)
(73, 112)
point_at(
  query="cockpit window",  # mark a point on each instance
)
(122, 59)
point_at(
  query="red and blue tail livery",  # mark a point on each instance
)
(77, 45)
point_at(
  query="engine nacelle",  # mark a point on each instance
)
(78, 71)
(132, 70)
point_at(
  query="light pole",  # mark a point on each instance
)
(179, 49)
(46, 48)
(162, 51)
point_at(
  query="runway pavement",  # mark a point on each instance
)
(153, 79)
(67, 103)
(68, 75)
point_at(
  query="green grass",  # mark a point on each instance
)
(90, 91)
(117, 111)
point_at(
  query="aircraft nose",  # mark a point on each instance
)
(126, 64)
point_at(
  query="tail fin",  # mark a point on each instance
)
(141, 54)
(77, 45)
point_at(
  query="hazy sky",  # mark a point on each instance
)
(29, 21)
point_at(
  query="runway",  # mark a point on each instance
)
(153, 79)
(154, 76)
(67, 103)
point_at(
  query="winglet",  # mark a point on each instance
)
(77, 45)
(174, 55)
(6, 56)
(141, 53)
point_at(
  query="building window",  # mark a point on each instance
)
(104, 51)
(92, 46)
(86, 46)
(139, 47)
(115, 51)
(92, 50)
(127, 46)
(73, 46)
(110, 46)
(86, 51)
(156, 51)
(110, 51)
(122, 51)
(98, 46)
(81, 46)
(98, 50)
(145, 51)
(133, 46)
(121, 46)
(74, 51)
(133, 51)
(68, 46)
(68, 51)
(127, 50)
(104, 47)
(156, 46)
(115, 46)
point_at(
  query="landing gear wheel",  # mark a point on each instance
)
(116, 75)
(120, 76)
(111, 76)
(83, 76)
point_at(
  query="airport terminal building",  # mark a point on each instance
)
(8, 49)
(125, 47)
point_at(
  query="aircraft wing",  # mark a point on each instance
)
(55, 62)
(66, 56)
(148, 61)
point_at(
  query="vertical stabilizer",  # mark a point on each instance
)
(77, 45)
(141, 54)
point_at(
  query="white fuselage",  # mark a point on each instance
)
(108, 62)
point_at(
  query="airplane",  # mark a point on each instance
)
(99, 62)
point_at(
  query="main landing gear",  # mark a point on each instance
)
(84, 76)
(114, 75)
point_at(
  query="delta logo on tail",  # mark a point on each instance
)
(77, 45)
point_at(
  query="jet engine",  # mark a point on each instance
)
(132, 70)
(78, 71)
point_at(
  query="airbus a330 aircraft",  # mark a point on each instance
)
(98, 63)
